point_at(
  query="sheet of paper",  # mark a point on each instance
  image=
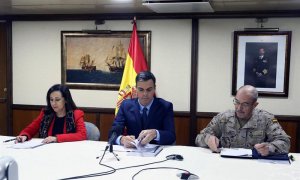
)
(28, 144)
(236, 152)
(147, 150)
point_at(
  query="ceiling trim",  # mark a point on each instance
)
(150, 16)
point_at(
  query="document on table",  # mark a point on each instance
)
(140, 150)
(236, 152)
(28, 144)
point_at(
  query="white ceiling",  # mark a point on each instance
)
(14, 7)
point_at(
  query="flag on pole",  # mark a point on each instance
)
(135, 63)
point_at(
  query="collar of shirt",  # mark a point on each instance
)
(148, 106)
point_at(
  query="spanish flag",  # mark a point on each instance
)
(135, 63)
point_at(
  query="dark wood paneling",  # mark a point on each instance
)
(5, 80)
(182, 130)
(24, 114)
(21, 118)
(194, 80)
(106, 121)
(291, 129)
(90, 117)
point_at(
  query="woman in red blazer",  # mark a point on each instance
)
(60, 121)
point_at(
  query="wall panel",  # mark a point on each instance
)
(103, 119)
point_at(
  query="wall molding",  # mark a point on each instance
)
(176, 113)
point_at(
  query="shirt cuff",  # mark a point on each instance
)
(118, 140)
(157, 136)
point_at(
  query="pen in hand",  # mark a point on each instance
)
(10, 140)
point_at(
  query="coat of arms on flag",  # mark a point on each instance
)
(135, 63)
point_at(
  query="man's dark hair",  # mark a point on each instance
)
(145, 76)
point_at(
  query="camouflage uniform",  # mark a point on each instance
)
(261, 127)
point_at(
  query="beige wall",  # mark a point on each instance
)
(37, 62)
(215, 65)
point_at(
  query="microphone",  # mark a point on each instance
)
(114, 133)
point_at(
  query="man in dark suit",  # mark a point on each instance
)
(146, 117)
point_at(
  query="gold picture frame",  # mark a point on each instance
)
(95, 60)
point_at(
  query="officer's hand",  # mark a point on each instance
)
(213, 143)
(262, 149)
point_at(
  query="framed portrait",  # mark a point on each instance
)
(262, 59)
(96, 60)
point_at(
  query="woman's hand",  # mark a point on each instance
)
(20, 139)
(50, 139)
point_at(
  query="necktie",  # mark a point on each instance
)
(144, 117)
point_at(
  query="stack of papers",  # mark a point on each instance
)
(236, 152)
(140, 150)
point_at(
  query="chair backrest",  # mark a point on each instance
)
(93, 132)
(8, 168)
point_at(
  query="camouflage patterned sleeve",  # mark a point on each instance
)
(213, 128)
(279, 141)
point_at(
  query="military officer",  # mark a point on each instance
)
(261, 69)
(245, 127)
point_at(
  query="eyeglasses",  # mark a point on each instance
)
(243, 105)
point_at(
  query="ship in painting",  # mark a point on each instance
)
(86, 63)
(116, 59)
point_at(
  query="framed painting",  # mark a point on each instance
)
(262, 59)
(96, 60)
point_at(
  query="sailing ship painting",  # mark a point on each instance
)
(96, 61)
(86, 63)
(90, 66)
(116, 59)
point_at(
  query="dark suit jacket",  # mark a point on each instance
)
(160, 117)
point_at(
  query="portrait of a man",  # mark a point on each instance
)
(261, 64)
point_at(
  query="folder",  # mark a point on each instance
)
(251, 154)
(282, 157)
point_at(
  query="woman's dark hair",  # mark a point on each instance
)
(70, 105)
(145, 76)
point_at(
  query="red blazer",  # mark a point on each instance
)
(33, 128)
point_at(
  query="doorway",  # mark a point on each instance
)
(5, 79)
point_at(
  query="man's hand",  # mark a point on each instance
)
(262, 149)
(147, 135)
(49, 139)
(127, 141)
(213, 143)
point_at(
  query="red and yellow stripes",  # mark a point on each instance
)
(135, 63)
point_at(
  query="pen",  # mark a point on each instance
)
(10, 140)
